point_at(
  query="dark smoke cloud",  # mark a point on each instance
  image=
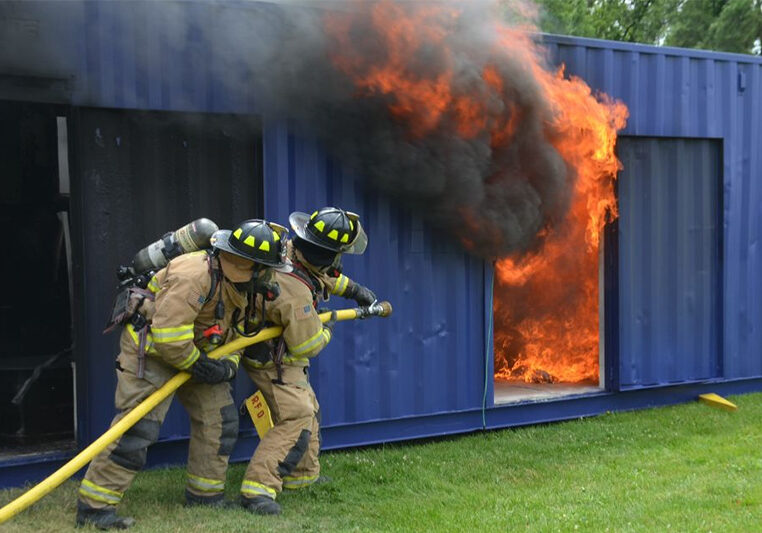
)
(495, 199)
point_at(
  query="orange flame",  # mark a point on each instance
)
(417, 99)
(546, 302)
(555, 338)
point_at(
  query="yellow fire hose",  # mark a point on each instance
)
(118, 429)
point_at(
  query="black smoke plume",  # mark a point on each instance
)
(496, 197)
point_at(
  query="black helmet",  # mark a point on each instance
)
(331, 228)
(257, 240)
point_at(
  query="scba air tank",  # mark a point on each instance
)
(189, 238)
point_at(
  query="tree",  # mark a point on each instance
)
(738, 27)
(727, 25)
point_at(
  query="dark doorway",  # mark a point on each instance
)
(36, 371)
(135, 176)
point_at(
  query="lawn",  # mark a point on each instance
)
(682, 468)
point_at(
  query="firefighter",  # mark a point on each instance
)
(287, 456)
(309, 243)
(196, 297)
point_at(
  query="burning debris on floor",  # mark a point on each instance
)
(532, 375)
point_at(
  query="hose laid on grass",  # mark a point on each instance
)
(118, 429)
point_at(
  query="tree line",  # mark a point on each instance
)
(724, 25)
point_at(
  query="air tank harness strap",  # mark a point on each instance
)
(249, 329)
(278, 352)
(317, 288)
(171, 247)
(216, 275)
(300, 273)
(140, 326)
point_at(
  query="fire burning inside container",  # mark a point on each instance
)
(541, 148)
(546, 301)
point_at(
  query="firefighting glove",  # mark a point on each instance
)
(330, 322)
(212, 371)
(362, 295)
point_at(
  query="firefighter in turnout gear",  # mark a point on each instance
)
(312, 247)
(287, 456)
(188, 312)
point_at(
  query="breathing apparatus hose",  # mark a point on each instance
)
(117, 430)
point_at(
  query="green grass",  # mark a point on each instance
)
(683, 468)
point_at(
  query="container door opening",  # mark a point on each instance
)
(36, 369)
(548, 304)
(549, 328)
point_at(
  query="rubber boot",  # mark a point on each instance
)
(216, 501)
(104, 519)
(261, 505)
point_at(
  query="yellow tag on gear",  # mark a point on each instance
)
(260, 413)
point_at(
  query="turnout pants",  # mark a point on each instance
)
(287, 456)
(213, 432)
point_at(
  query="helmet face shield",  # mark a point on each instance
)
(360, 242)
(282, 233)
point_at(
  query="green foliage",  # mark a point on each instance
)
(618, 20)
(736, 28)
(681, 468)
(726, 25)
(692, 21)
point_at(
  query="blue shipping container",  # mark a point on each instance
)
(683, 301)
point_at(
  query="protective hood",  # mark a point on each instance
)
(236, 268)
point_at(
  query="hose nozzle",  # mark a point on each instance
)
(382, 309)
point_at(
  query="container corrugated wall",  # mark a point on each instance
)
(692, 94)
(428, 357)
